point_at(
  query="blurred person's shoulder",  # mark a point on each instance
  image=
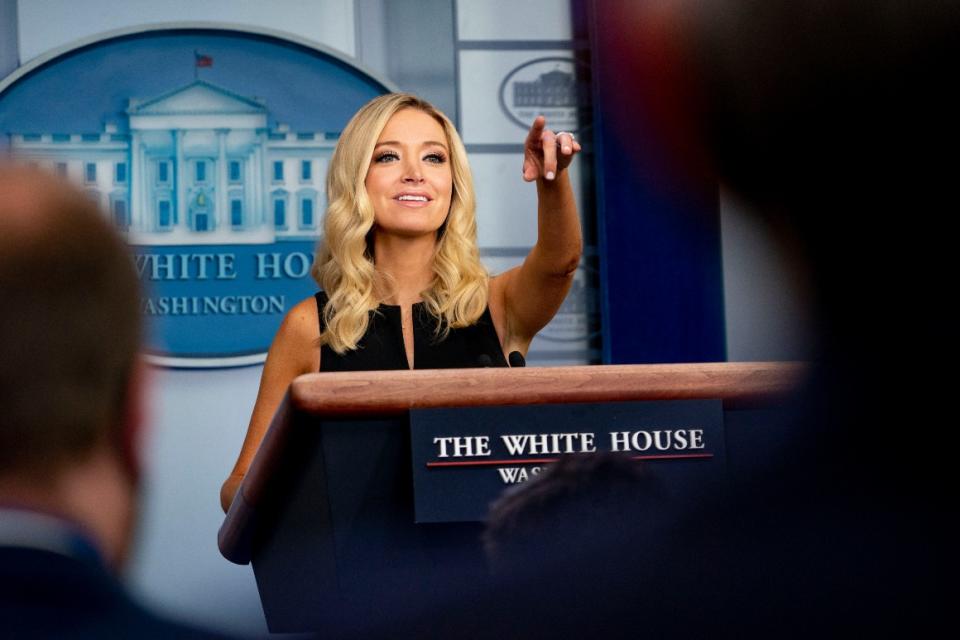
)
(54, 584)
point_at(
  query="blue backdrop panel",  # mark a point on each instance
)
(208, 148)
(659, 228)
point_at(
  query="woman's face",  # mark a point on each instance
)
(409, 181)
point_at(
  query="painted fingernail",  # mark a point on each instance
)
(549, 175)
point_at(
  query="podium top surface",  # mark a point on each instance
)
(394, 392)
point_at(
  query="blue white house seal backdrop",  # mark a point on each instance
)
(209, 149)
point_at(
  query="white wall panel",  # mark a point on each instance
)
(514, 20)
(506, 205)
(498, 60)
(49, 24)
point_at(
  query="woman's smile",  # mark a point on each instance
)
(413, 199)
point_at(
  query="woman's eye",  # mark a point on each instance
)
(436, 158)
(387, 156)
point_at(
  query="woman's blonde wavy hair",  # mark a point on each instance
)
(345, 265)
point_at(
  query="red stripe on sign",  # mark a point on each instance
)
(503, 463)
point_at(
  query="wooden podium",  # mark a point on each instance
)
(325, 512)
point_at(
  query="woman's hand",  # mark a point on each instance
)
(540, 157)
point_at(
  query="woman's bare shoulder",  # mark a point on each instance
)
(297, 341)
(304, 316)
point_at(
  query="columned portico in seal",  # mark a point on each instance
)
(210, 126)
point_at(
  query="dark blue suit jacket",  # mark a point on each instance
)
(46, 594)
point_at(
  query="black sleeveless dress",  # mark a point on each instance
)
(381, 347)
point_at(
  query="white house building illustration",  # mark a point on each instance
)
(199, 166)
(551, 89)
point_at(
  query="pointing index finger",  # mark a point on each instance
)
(536, 129)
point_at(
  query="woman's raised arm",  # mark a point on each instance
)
(527, 297)
(295, 350)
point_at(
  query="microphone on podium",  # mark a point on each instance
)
(516, 359)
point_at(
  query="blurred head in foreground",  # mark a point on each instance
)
(69, 375)
(574, 509)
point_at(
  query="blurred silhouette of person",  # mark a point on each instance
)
(71, 417)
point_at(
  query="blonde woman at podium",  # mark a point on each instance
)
(398, 265)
